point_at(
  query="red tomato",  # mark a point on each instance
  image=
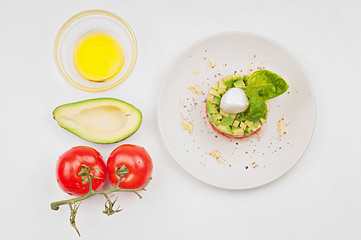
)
(138, 162)
(70, 164)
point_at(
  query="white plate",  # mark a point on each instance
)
(253, 161)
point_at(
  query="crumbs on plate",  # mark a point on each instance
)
(187, 125)
(282, 126)
(196, 72)
(211, 63)
(217, 156)
(195, 89)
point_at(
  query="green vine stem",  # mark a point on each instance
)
(73, 212)
(109, 205)
(56, 205)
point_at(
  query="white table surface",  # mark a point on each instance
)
(320, 198)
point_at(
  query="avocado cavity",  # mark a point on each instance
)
(103, 118)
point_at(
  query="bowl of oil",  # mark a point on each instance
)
(95, 50)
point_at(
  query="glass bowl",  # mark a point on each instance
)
(84, 23)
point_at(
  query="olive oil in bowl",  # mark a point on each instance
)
(98, 56)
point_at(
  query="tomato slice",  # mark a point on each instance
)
(70, 164)
(138, 163)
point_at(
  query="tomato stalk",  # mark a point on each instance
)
(73, 212)
(109, 204)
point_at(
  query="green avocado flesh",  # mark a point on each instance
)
(100, 120)
(233, 124)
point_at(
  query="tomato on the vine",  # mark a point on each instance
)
(138, 163)
(72, 162)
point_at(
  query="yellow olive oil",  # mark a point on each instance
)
(98, 56)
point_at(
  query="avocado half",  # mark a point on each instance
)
(99, 120)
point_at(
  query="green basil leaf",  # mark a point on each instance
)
(257, 106)
(268, 84)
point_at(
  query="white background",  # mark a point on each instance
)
(318, 199)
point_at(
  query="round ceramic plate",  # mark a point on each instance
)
(250, 162)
